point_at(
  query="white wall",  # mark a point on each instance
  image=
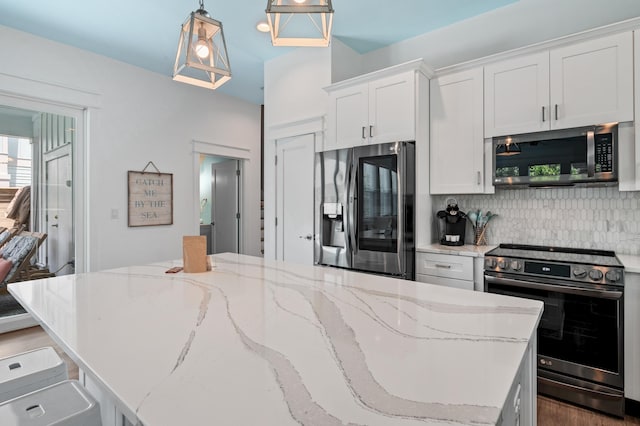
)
(293, 85)
(141, 116)
(519, 24)
(345, 62)
(292, 93)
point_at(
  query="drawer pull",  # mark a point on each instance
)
(438, 265)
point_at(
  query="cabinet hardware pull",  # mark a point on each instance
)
(438, 265)
(479, 178)
(543, 114)
(556, 112)
(370, 131)
(363, 136)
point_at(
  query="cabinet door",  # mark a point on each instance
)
(392, 109)
(456, 146)
(592, 82)
(631, 337)
(517, 96)
(347, 121)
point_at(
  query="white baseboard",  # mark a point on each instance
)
(16, 322)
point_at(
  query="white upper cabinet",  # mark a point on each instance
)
(457, 144)
(592, 82)
(629, 136)
(517, 95)
(392, 109)
(586, 83)
(348, 117)
(375, 108)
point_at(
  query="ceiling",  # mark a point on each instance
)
(145, 32)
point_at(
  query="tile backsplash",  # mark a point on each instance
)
(598, 218)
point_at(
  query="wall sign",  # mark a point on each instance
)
(150, 198)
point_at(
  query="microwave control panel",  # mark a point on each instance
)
(604, 152)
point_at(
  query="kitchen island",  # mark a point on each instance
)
(271, 343)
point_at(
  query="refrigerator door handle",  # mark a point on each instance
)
(352, 204)
(402, 165)
(347, 210)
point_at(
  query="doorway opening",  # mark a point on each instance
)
(36, 198)
(220, 195)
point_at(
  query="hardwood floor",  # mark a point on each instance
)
(550, 411)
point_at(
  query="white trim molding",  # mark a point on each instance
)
(16, 322)
(618, 27)
(48, 91)
(220, 149)
(415, 65)
(296, 128)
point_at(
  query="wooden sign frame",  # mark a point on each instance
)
(150, 198)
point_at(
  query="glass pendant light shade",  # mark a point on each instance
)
(508, 149)
(300, 22)
(202, 58)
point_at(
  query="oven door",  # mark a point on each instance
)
(581, 329)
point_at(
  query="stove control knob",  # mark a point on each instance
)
(502, 264)
(490, 263)
(579, 272)
(595, 275)
(613, 276)
(515, 265)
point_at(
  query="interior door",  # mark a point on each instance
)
(225, 208)
(294, 198)
(58, 208)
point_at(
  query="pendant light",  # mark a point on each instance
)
(508, 149)
(202, 58)
(304, 23)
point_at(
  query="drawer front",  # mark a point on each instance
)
(446, 266)
(447, 282)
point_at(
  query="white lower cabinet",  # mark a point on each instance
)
(631, 336)
(520, 407)
(445, 269)
(109, 413)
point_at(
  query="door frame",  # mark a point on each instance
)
(80, 166)
(233, 153)
(56, 98)
(315, 125)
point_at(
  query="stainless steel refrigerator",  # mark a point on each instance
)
(364, 212)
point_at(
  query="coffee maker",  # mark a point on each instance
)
(452, 224)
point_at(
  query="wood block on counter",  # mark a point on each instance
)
(194, 253)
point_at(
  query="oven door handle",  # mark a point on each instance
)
(602, 294)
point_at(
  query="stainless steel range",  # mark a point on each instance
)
(580, 336)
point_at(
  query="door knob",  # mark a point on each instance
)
(55, 225)
(306, 237)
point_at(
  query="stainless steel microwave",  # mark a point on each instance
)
(558, 157)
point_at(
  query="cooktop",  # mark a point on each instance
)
(557, 254)
(575, 264)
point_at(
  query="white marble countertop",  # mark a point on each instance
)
(469, 250)
(269, 343)
(631, 262)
